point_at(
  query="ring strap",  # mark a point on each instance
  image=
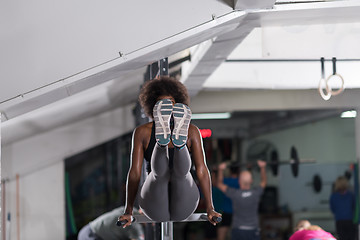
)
(334, 65)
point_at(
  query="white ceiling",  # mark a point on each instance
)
(307, 42)
(294, 31)
(299, 42)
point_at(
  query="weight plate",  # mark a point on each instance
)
(317, 183)
(294, 161)
(274, 160)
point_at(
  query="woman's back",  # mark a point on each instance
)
(312, 233)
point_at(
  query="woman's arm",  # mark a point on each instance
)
(134, 174)
(220, 178)
(262, 166)
(202, 171)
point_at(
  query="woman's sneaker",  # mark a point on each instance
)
(162, 112)
(182, 117)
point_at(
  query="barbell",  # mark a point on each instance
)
(274, 162)
(294, 161)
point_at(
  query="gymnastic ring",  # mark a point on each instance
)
(324, 96)
(341, 89)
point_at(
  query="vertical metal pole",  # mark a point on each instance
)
(18, 206)
(108, 172)
(164, 67)
(119, 164)
(357, 146)
(152, 72)
(2, 213)
(167, 231)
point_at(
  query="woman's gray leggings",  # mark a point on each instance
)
(162, 203)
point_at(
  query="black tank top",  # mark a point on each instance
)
(150, 148)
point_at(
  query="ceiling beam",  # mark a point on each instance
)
(118, 67)
(268, 100)
(253, 4)
(211, 54)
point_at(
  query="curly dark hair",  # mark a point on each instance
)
(164, 86)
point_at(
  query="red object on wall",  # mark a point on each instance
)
(205, 133)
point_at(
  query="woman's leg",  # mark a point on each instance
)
(154, 197)
(184, 193)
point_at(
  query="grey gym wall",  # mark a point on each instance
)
(328, 141)
(1, 191)
(331, 142)
(39, 162)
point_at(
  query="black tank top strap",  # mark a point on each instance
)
(150, 148)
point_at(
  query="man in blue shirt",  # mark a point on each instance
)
(342, 205)
(226, 207)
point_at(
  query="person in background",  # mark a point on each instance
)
(342, 205)
(305, 231)
(245, 202)
(104, 228)
(302, 224)
(226, 208)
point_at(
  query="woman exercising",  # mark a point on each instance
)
(169, 144)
